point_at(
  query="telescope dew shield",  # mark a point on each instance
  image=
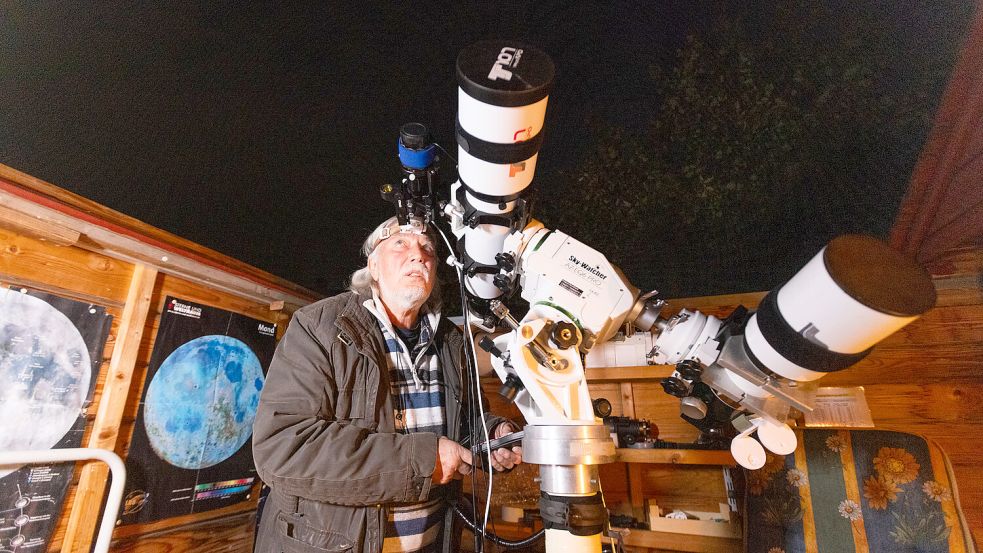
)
(503, 90)
(854, 293)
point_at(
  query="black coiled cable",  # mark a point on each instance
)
(507, 544)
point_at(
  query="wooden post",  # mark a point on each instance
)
(636, 495)
(105, 429)
(627, 400)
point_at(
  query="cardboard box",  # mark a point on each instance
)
(719, 524)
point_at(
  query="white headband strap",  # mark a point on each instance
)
(415, 226)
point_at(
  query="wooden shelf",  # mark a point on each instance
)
(676, 456)
(629, 374)
(681, 542)
(671, 541)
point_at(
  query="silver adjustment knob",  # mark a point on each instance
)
(693, 407)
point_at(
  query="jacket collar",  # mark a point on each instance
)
(359, 324)
(374, 305)
(356, 323)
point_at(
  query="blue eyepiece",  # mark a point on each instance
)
(417, 159)
(416, 149)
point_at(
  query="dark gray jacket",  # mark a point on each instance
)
(324, 438)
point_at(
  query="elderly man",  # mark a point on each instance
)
(358, 426)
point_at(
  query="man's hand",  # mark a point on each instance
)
(453, 461)
(502, 458)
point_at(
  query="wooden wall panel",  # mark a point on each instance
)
(174, 286)
(232, 533)
(54, 241)
(699, 488)
(84, 275)
(79, 275)
(610, 391)
(64, 270)
(654, 404)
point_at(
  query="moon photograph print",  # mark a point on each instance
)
(51, 349)
(200, 405)
(45, 370)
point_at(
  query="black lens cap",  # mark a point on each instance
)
(414, 136)
(878, 276)
(505, 73)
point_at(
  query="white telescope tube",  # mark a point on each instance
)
(852, 294)
(503, 90)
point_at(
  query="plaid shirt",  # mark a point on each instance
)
(418, 392)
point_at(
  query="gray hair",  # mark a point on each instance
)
(362, 282)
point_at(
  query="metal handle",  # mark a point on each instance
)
(116, 468)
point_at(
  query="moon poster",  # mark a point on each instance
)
(50, 352)
(191, 448)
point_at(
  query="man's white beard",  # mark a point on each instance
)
(410, 297)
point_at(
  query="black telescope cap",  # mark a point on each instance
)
(505, 73)
(879, 277)
(414, 135)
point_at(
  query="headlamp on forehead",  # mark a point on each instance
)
(414, 225)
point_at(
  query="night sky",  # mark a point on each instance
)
(264, 131)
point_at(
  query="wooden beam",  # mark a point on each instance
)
(676, 456)
(627, 400)
(10, 280)
(63, 270)
(681, 542)
(37, 227)
(105, 429)
(644, 372)
(636, 490)
(233, 533)
(138, 532)
(121, 237)
(636, 493)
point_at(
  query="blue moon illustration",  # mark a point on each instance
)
(200, 405)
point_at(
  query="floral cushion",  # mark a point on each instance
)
(855, 491)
